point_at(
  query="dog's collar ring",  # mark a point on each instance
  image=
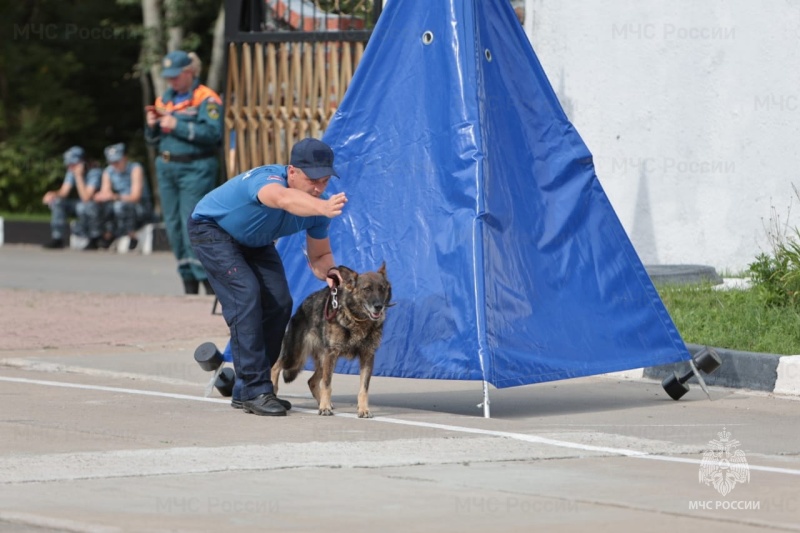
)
(334, 301)
(334, 304)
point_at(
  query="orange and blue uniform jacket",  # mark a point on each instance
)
(199, 116)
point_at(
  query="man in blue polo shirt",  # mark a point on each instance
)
(233, 231)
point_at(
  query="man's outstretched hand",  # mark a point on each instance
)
(335, 204)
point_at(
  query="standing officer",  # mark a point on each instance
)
(186, 126)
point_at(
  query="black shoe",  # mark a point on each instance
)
(133, 243)
(266, 404)
(93, 244)
(208, 288)
(191, 286)
(239, 404)
(54, 244)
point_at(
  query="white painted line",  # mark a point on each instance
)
(112, 389)
(444, 427)
(564, 444)
(42, 366)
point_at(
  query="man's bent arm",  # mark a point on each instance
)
(320, 256)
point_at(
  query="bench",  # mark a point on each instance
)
(144, 234)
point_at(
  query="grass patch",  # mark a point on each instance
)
(733, 319)
(26, 217)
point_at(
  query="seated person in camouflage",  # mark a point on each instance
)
(75, 199)
(125, 188)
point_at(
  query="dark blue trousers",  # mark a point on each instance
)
(251, 286)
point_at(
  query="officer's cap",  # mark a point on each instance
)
(174, 63)
(115, 152)
(314, 158)
(73, 156)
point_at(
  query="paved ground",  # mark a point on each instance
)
(105, 428)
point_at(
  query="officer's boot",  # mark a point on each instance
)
(207, 287)
(191, 286)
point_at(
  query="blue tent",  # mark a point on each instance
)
(463, 173)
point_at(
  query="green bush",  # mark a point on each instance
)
(776, 276)
(59, 89)
(362, 9)
(26, 173)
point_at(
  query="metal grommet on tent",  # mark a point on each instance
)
(488, 55)
(427, 37)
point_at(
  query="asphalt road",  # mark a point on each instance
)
(119, 437)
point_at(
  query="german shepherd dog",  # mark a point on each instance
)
(343, 322)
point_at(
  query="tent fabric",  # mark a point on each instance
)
(463, 173)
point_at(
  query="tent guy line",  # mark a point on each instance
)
(386, 420)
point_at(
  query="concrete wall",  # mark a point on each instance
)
(692, 112)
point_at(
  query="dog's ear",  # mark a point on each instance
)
(382, 272)
(349, 276)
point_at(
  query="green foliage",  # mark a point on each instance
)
(26, 217)
(765, 318)
(362, 9)
(25, 176)
(734, 319)
(776, 276)
(64, 80)
(196, 17)
(70, 74)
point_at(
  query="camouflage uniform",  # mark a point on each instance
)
(88, 214)
(128, 216)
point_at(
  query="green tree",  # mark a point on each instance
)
(75, 72)
(65, 79)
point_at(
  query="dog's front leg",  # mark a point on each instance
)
(327, 364)
(313, 382)
(363, 399)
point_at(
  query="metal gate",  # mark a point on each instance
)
(289, 63)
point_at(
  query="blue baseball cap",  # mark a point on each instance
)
(115, 152)
(314, 158)
(174, 63)
(73, 156)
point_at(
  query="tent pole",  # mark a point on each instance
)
(486, 413)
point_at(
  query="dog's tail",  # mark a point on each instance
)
(290, 374)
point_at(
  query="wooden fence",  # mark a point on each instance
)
(289, 63)
(280, 92)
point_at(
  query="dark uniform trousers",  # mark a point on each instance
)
(251, 286)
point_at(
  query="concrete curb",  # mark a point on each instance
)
(682, 274)
(779, 374)
(767, 372)
(152, 236)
